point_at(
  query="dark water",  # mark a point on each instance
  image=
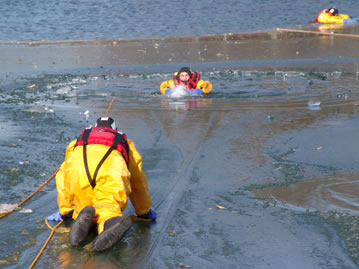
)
(259, 174)
(106, 19)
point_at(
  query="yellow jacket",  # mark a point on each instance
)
(205, 86)
(114, 183)
(327, 18)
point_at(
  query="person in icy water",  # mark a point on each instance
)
(102, 168)
(331, 15)
(190, 80)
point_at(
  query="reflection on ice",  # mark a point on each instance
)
(187, 104)
(336, 192)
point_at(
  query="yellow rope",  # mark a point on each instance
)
(47, 181)
(53, 229)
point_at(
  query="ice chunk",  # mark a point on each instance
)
(4, 208)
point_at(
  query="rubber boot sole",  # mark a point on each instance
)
(81, 227)
(108, 238)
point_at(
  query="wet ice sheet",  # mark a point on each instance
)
(339, 193)
(326, 158)
(198, 153)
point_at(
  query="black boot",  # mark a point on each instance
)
(114, 230)
(81, 227)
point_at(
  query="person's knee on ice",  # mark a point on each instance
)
(82, 225)
(113, 231)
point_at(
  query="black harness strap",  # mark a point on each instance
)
(93, 181)
(85, 137)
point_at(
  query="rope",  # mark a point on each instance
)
(48, 180)
(31, 195)
(109, 107)
(53, 229)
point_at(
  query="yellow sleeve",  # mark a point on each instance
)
(166, 85)
(326, 18)
(140, 196)
(64, 199)
(344, 16)
(205, 86)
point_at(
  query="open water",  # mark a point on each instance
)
(261, 173)
(107, 19)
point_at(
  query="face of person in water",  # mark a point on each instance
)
(184, 76)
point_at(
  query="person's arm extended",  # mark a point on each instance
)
(140, 196)
(205, 86)
(166, 85)
(64, 199)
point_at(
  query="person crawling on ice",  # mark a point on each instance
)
(102, 168)
(188, 79)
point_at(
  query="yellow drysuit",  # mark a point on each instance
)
(327, 18)
(114, 183)
(205, 86)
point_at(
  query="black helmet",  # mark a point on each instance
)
(333, 11)
(106, 122)
(185, 69)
